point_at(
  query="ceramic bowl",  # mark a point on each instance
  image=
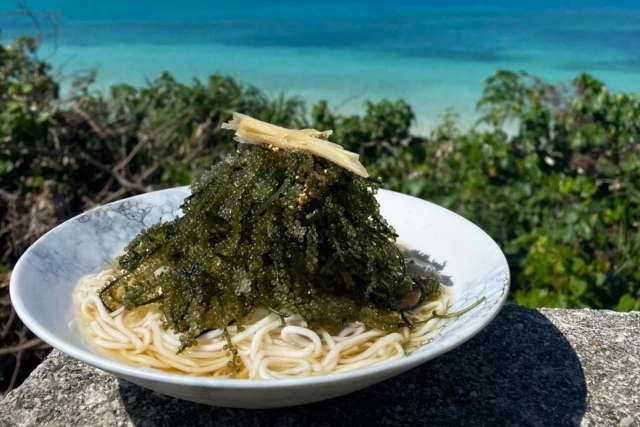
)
(44, 278)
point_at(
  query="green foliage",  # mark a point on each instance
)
(550, 172)
(560, 195)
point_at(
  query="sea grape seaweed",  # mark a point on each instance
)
(275, 228)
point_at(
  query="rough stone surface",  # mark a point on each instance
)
(528, 368)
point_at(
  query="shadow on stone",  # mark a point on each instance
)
(519, 371)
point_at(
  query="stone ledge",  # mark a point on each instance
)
(528, 368)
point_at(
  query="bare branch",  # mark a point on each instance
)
(121, 180)
(148, 172)
(7, 196)
(29, 14)
(347, 100)
(56, 33)
(87, 158)
(14, 13)
(143, 141)
(56, 138)
(115, 195)
(369, 144)
(96, 127)
(7, 327)
(34, 342)
(105, 189)
(16, 371)
(16, 368)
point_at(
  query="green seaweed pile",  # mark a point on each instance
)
(281, 229)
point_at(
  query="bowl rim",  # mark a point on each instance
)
(147, 374)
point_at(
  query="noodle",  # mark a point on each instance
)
(266, 349)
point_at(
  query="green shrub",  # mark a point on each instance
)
(559, 194)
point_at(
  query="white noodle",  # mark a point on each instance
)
(266, 349)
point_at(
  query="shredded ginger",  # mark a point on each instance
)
(252, 131)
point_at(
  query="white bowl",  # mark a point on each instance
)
(44, 278)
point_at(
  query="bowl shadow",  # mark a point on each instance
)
(520, 370)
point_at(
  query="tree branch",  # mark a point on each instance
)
(105, 189)
(29, 14)
(56, 33)
(114, 196)
(16, 371)
(7, 327)
(34, 342)
(121, 180)
(87, 158)
(142, 142)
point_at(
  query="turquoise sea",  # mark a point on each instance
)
(434, 55)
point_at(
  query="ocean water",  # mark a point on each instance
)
(433, 56)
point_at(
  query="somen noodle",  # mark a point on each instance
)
(266, 348)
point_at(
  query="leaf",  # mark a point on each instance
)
(577, 286)
(6, 166)
(578, 265)
(415, 186)
(626, 303)
(572, 217)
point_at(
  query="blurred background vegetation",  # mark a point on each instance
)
(551, 172)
